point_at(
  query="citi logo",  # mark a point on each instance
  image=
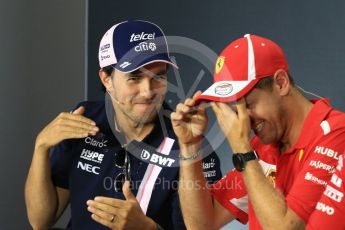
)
(327, 152)
(142, 36)
(144, 46)
(88, 168)
(325, 208)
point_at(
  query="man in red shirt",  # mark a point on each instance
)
(295, 148)
(330, 210)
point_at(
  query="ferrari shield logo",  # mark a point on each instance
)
(219, 64)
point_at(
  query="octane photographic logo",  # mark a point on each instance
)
(195, 52)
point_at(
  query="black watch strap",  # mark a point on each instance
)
(252, 155)
(240, 159)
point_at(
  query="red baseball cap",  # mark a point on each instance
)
(241, 65)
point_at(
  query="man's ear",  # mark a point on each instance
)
(282, 82)
(105, 79)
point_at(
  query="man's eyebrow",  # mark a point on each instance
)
(139, 73)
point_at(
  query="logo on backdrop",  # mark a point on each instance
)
(189, 49)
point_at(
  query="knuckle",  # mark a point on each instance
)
(126, 215)
(58, 126)
(62, 114)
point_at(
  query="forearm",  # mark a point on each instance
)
(269, 206)
(40, 193)
(196, 200)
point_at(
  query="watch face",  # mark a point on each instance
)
(238, 162)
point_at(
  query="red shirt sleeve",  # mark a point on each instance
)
(330, 210)
(231, 193)
(314, 175)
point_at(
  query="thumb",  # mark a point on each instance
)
(197, 94)
(127, 191)
(202, 108)
(79, 111)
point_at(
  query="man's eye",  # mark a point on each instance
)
(133, 78)
(160, 77)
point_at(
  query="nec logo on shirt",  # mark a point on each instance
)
(88, 168)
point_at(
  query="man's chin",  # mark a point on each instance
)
(146, 117)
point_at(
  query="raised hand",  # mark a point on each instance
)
(120, 214)
(66, 126)
(189, 121)
(235, 125)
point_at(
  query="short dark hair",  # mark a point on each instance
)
(109, 71)
(267, 82)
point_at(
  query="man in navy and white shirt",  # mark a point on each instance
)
(85, 157)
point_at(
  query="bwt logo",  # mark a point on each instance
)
(145, 155)
(156, 159)
(142, 36)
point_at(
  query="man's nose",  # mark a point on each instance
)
(146, 89)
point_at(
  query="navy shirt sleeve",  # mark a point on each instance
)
(61, 160)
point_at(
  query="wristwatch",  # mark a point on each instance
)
(240, 159)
